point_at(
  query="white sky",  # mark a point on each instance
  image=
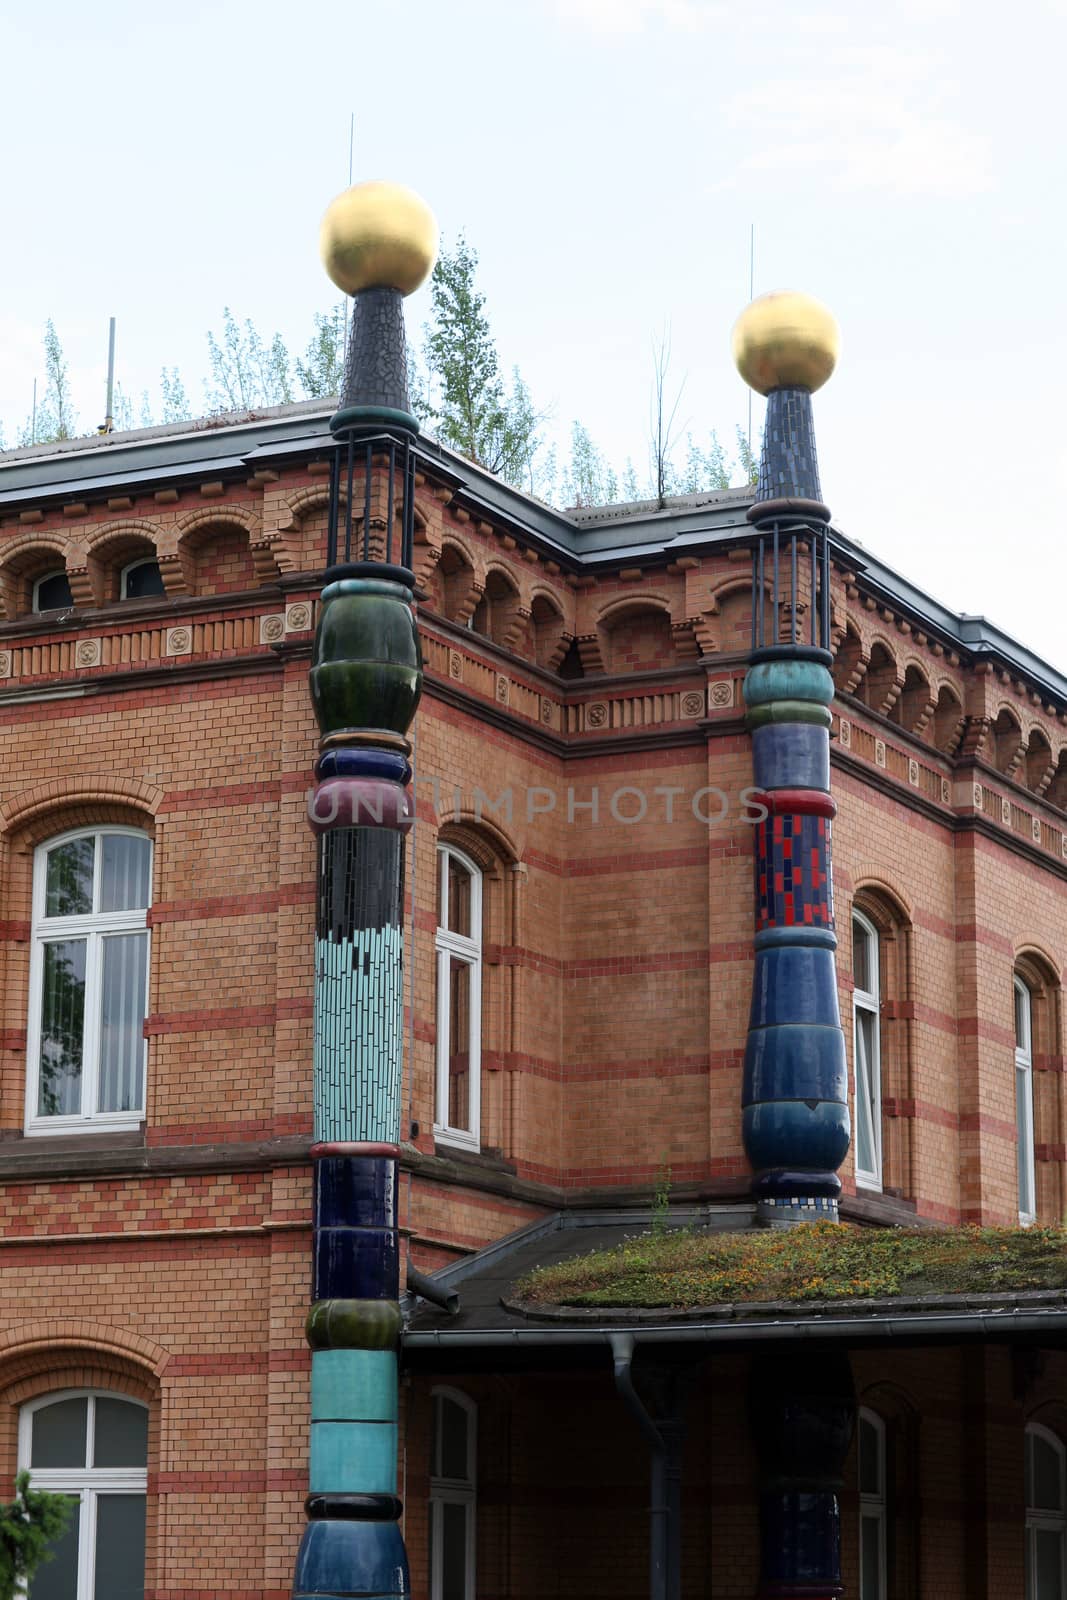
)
(904, 162)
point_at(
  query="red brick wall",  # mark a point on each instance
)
(617, 971)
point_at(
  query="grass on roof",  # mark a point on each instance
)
(815, 1261)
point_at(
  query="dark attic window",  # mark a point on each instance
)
(51, 592)
(141, 579)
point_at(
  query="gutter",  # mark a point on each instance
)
(993, 1324)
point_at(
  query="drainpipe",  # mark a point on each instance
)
(435, 1293)
(660, 1532)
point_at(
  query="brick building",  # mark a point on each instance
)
(579, 962)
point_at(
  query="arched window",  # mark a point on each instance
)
(1024, 1101)
(459, 999)
(51, 591)
(93, 1447)
(1046, 1515)
(453, 1477)
(88, 981)
(867, 1050)
(140, 579)
(872, 1486)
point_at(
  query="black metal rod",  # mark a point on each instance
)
(348, 499)
(389, 514)
(761, 593)
(368, 464)
(755, 592)
(409, 505)
(814, 583)
(793, 587)
(825, 641)
(331, 527)
(774, 580)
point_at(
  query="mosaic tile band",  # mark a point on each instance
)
(795, 1117)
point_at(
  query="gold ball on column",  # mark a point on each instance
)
(785, 340)
(378, 236)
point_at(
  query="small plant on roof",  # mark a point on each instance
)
(661, 1199)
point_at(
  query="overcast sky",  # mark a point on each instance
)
(904, 162)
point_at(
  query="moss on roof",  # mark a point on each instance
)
(817, 1261)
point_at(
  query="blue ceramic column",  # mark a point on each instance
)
(378, 243)
(802, 1412)
(795, 1101)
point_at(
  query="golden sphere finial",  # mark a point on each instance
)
(378, 236)
(785, 340)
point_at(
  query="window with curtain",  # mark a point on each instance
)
(872, 1476)
(88, 981)
(452, 1496)
(1046, 1514)
(1024, 1101)
(867, 1050)
(93, 1447)
(458, 945)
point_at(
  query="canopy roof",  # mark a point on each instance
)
(492, 1319)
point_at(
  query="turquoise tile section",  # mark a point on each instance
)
(788, 680)
(353, 1385)
(353, 1457)
(359, 1035)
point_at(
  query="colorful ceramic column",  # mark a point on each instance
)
(378, 244)
(802, 1411)
(795, 1102)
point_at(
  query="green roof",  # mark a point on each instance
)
(682, 1270)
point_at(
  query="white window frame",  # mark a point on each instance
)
(870, 1094)
(450, 947)
(453, 1491)
(93, 928)
(1024, 1125)
(1038, 1520)
(45, 577)
(131, 566)
(873, 1506)
(88, 1483)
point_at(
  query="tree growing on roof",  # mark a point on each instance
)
(321, 371)
(54, 417)
(245, 370)
(748, 459)
(589, 479)
(662, 414)
(472, 410)
(175, 401)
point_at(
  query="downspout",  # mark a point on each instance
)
(622, 1351)
(435, 1293)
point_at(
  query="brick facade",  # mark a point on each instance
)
(604, 699)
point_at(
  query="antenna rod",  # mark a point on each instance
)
(751, 296)
(109, 420)
(33, 418)
(351, 147)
